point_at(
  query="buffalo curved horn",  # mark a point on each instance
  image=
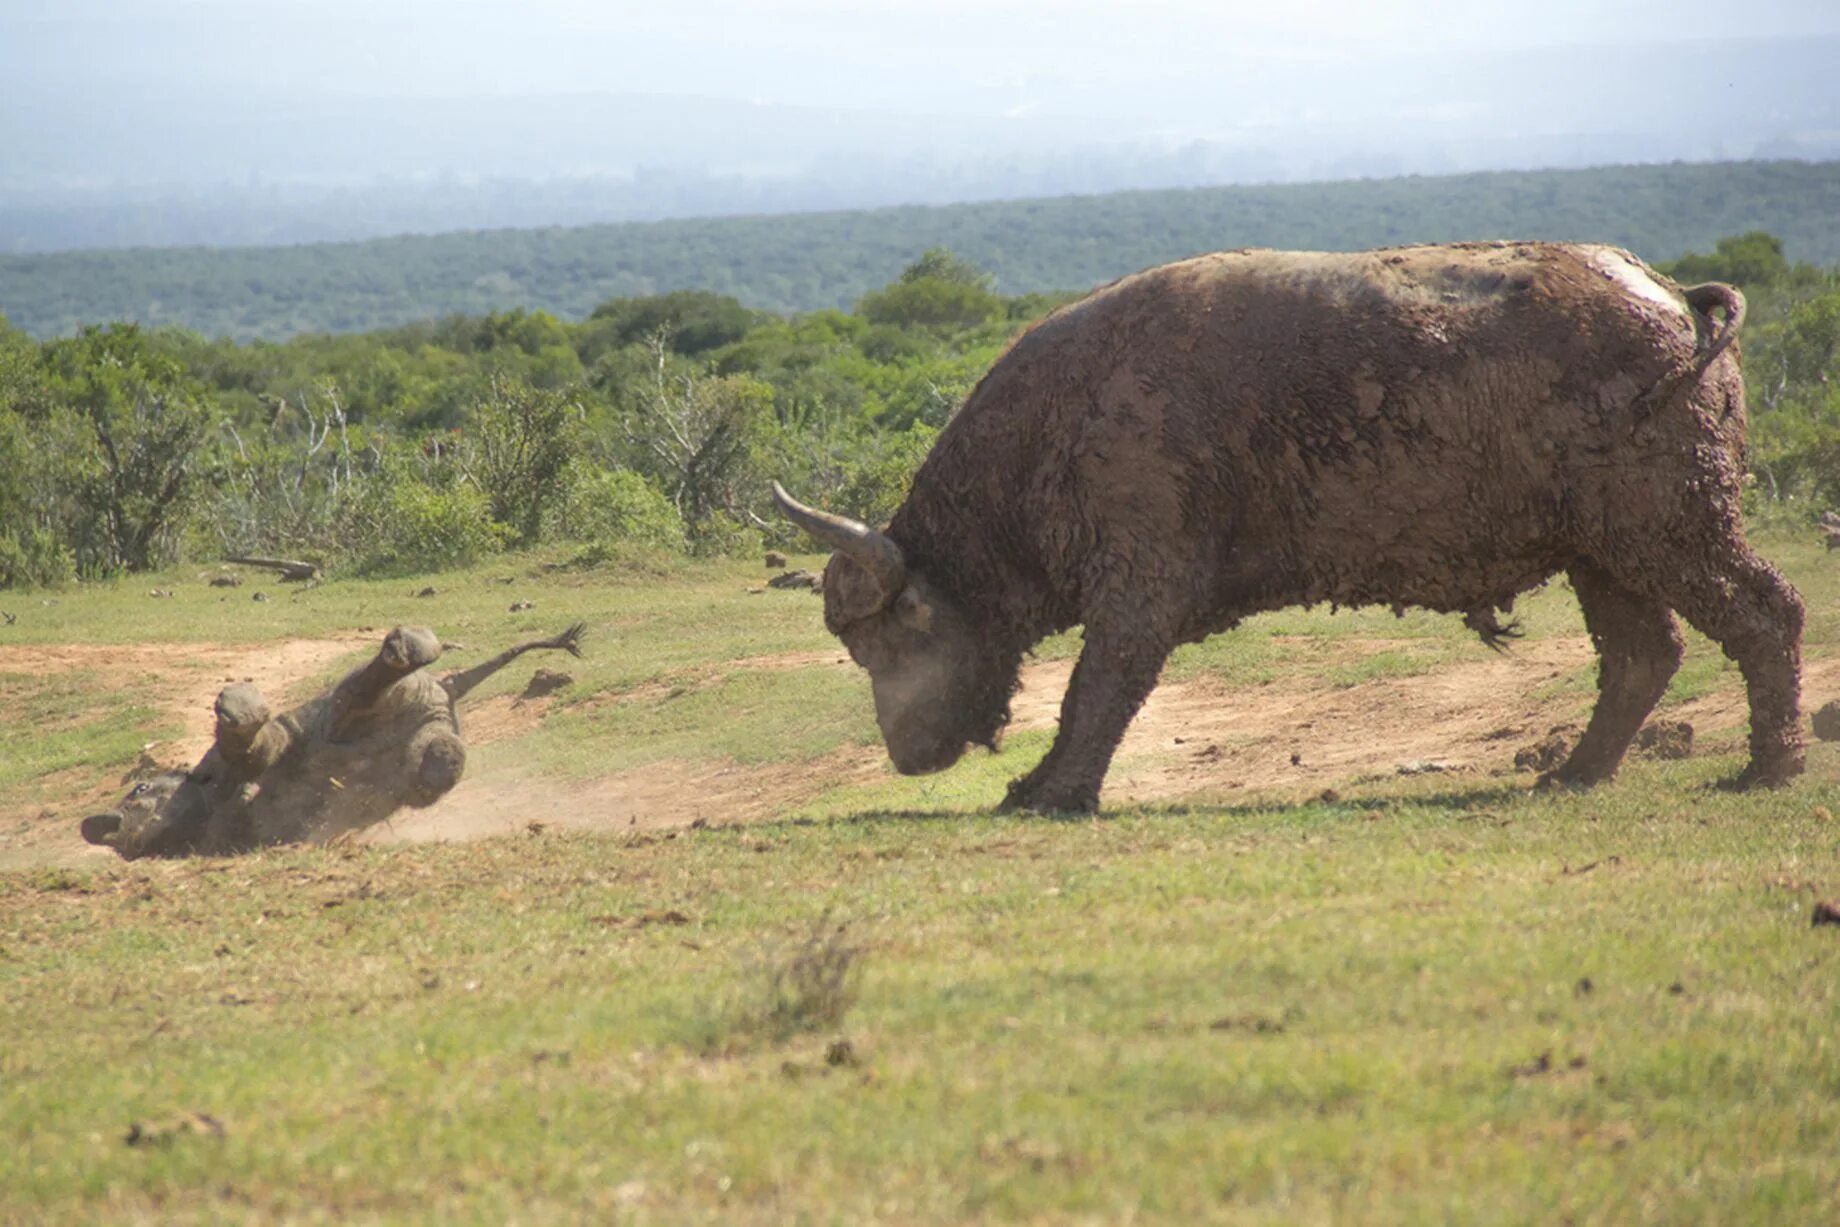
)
(870, 550)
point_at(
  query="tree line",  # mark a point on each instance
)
(806, 262)
(652, 426)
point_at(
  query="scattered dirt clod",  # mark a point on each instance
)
(546, 681)
(1544, 1064)
(1826, 912)
(1548, 752)
(1827, 722)
(775, 560)
(795, 579)
(163, 1133)
(1669, 739)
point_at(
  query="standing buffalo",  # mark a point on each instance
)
(1444, 427)
(386, 736)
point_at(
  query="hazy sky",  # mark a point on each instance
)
(976, 56)
(101, 95)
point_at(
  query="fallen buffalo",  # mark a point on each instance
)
(386, 736)
(1443, 427)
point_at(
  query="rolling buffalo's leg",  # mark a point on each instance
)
(1750, 611)
(1115, 673)
(1638, 648)
(405, 649)
(248, 740)
(435, 760)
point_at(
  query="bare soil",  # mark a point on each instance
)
(1194, 740)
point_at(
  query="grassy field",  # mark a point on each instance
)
(1422, 999)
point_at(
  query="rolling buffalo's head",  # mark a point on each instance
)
(161, 816)
(940, 683)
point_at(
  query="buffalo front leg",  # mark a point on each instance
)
(1750, 611)
(1114, 675)
(248, 739)
(1639, 649)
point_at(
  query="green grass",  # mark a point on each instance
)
(1434, 999)
(1292, 1015)
(78, 722)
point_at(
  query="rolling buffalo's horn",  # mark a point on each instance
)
(872, 551)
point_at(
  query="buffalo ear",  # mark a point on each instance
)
(911, 608)
(101, 829)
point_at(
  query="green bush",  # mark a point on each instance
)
(722, 535)
(873, 491)
(421, 527)
(605, 507)
(522, 443)
(33, 558)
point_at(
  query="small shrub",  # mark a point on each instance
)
(808, 987)
(522, 445)
(426, 528)
(874, 490)
(617, 507)
(720, 535)
(32, 557)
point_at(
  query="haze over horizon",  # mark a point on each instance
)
(237, 121)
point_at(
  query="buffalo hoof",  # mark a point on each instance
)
(1562, 780)
(1762, 775)
(1047, 798)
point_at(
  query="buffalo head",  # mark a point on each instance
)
(940, 685)
(161, 816)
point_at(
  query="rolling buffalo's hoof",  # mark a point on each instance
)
(408, 648)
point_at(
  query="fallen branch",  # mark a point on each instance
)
(292, 570)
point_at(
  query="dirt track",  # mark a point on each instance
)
(1194, 740)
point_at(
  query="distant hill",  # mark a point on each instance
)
(806, 261)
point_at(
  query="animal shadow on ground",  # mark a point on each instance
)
(1355, 806)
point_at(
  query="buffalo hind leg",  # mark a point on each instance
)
(435, 761)
(1750, 611)
(404, 650)
(1639, 648)
(1114, 675)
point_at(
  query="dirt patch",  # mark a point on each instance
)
(1197, 739)
(661, 795)
(1192, 739)
(1300, 734)
(501, 718)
